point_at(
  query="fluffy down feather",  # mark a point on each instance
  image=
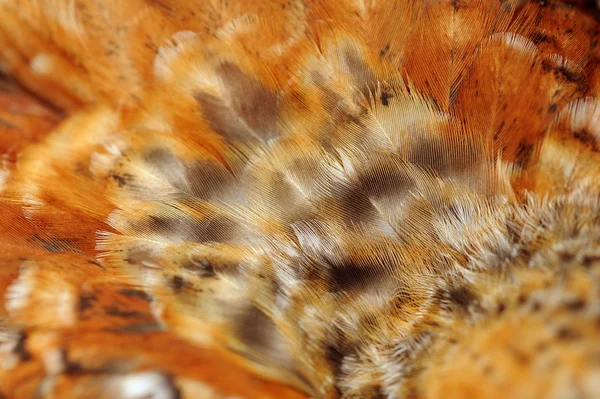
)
(358, 199)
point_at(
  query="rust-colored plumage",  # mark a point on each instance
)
(299, 198)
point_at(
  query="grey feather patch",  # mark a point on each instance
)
(247, 111)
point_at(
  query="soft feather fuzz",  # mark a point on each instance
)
(360, 199)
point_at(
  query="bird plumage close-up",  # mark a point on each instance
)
(299, 199)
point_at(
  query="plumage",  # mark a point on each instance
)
(299, 198)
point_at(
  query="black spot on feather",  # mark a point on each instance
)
(456, 298)
(177, 283)
(85, 302)
(575, 305)
(385, 96)
(567, 334)
(350, 276)
(129, 292)
(124, 313)
(20, 348)
(586, 138)
(200, 267)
